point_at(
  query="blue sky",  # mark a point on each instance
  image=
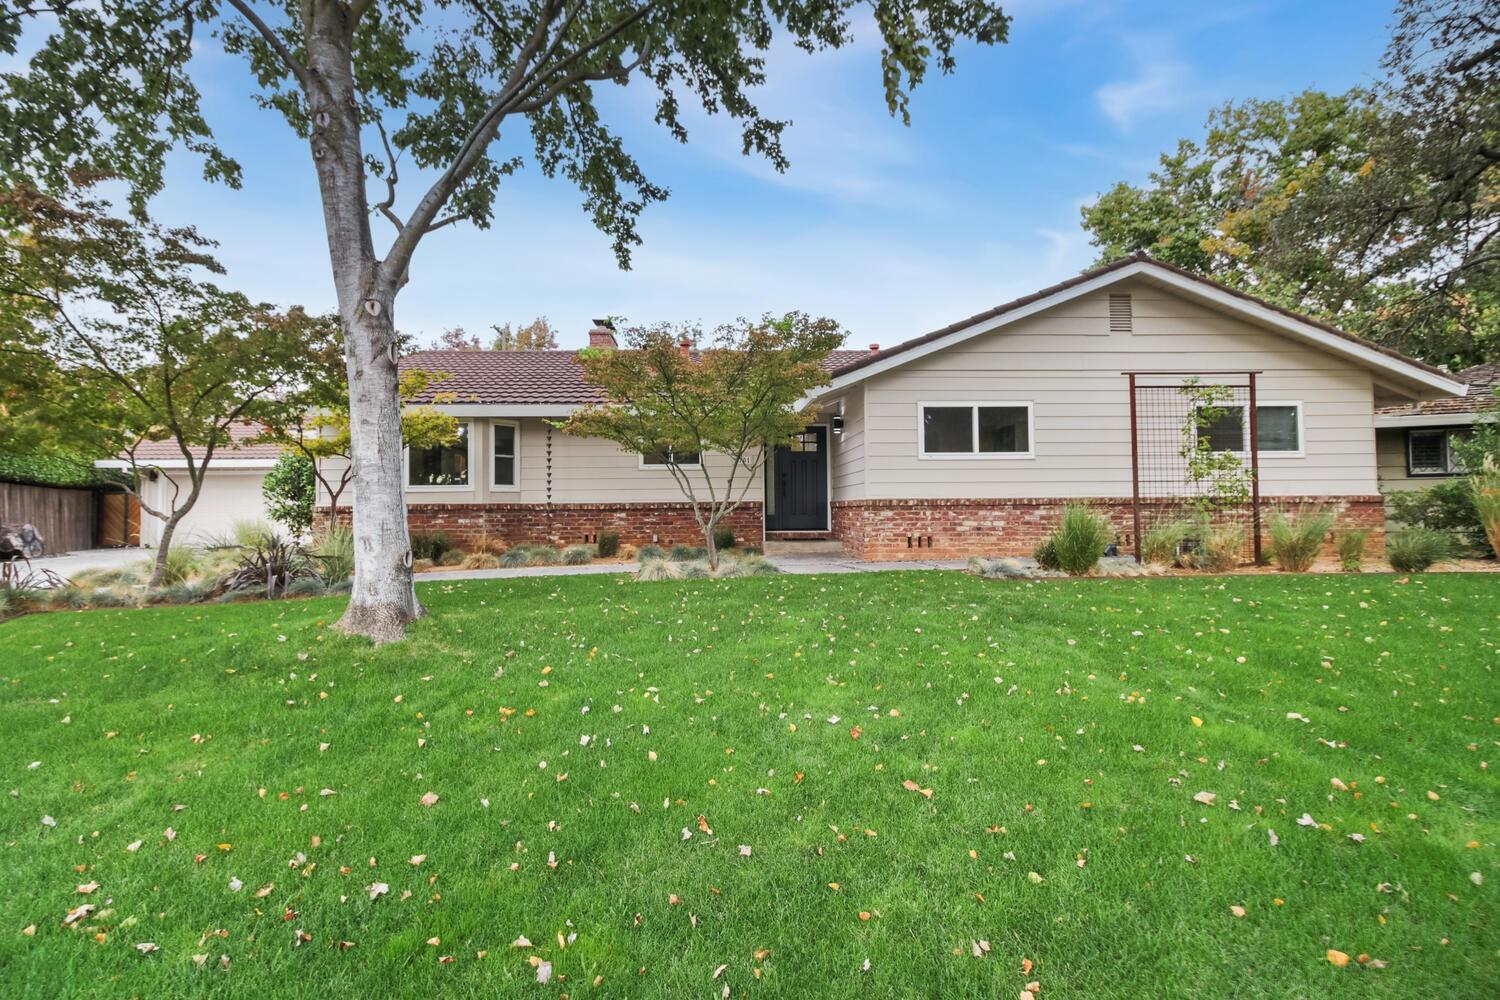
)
(890, 230)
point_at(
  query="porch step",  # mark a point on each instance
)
(804, 547)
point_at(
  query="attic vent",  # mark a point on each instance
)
(1119, 314)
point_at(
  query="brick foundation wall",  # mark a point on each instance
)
(566, 524)
(880, 530)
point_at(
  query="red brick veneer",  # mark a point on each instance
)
(955, 529)
(565, 524)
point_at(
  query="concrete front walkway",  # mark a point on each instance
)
(799, 564)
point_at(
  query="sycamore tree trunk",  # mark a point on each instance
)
(383, 599)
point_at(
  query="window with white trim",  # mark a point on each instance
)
(1278, 428)
(1429, 452)
(507, 456)
(443, 466)
(974, 429)
(660, 459)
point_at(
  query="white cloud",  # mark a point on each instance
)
(1159, 86)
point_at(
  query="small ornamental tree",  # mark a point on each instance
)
(727, 404)
(146, 345)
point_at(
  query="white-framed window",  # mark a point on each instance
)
(999, 429)
(1429, 452)
(1278, 428)
(684, 460)
(444, 467)
(505, 455)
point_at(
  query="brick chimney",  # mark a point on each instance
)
(602, 334)
(685, 347)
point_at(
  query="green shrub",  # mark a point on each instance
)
(452, 557)
(650, 553)
(544, 555)
(1351, 546)
(481, 560)
(687, 553)
(55, 470)
(430, 544)
(1079, 540)
(335, 555)
(1160, 540)
(1046, 554)
(578, 555)
(1296, 539)
(1221, 547)
(723, 538)
(608, 544)
(1412, 550)
(289, 491)
(1447, 506)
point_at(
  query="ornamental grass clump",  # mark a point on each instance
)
(1485, 486)
(1351, 546)
(1221, 547)
(1296, 539)
(1079, 540)
(578, 555)
(1412, 550)
(1160, 540)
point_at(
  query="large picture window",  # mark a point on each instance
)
(445, 466)
(1278, 428)
(985, 430)
(507, 457)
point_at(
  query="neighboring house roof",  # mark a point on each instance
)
(551, 379)
(1482, 381)
(237, 453)
(523, 378)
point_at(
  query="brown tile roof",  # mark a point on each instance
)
(167, 451)
(1481, 380)
(524, 377)
(1118, 265)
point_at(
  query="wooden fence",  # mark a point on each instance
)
(68, 519)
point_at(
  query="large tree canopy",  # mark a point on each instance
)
(375, 85)
(1377, 209)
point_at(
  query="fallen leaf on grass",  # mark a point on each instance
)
(376, 890)
(147, 947)
(1337, 958)
(87, 888)
(1206, 798)
(77, 913)
(1237, 910)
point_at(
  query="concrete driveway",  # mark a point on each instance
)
(68, 563)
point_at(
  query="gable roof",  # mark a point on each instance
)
(524, 378)
(235, 453)
(1408, 371)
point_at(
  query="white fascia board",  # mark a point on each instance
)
(1388, 420)
(181, 463)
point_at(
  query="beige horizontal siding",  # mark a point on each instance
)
(1390, 449)
(560, 468)
(848, 449)
(1067, 364)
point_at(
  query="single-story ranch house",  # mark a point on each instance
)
(965, 441)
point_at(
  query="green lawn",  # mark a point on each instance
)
(601, 749)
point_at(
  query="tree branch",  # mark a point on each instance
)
(298, 70)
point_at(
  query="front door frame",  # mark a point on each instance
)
(768, 484)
